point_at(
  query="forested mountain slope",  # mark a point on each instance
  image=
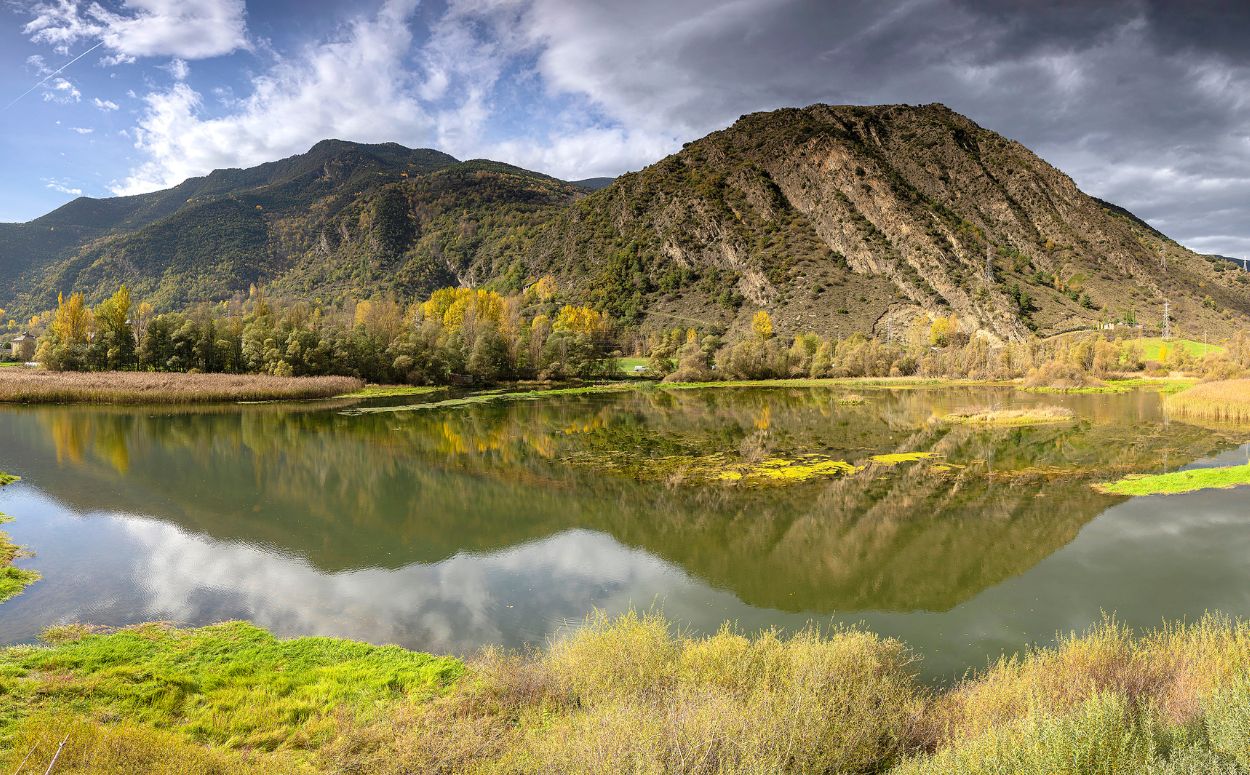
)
(834, 218)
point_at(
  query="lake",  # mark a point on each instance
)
(447, 529)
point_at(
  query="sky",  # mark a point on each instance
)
(1145, 103)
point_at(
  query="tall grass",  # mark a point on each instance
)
(1226, 402)
(628, 695)
(36, 386)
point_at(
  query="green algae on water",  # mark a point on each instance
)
(896, 458)
(1179, 482)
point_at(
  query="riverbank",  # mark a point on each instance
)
(37, 386)
(622, 695)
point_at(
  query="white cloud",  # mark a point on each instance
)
(178, 68)
(62, 186)
(104, 105)
(61, 90)
(82, 130)
(189, 29)
(355, 87)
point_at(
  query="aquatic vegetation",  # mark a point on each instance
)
(494, 396)
(1165, 385)
(1010, 417)
(1086, 390)
(896, 458)
(392, 391)
(628, 695)
(783, 471)
(1223, 403)
(12, 579)
(1179, 482)
(859, 382)
(36, 386)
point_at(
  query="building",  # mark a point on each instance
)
(23, 347)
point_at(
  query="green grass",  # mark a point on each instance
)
(231, 684)
(1179, 482)
(392, 391)
(1088, 390)
(8, 479)
(1152, 347)
(1165, 386)
(627, 364)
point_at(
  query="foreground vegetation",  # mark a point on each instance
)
(624, 695)
(35, 386)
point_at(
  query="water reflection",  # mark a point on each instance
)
(450, 529)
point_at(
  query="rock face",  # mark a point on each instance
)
(852, 218)
(835, 219)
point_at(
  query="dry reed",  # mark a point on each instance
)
(36, 386)
(1226, 403)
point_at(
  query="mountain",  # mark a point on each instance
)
(833, 218)
(593, 184)
(839, 218)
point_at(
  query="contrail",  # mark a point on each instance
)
(49, 77)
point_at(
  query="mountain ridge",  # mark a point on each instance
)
(833, 218)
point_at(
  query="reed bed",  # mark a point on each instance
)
(36, 386)
(1226, 402)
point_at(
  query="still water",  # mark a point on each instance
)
(502, 523)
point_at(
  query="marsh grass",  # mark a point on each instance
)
(392, 391)
(12, 579)
(1010, 418)
(36, 386)
(1223, 403)
(1179, 482)
(629, 695)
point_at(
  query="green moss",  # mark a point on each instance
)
(8, 478)
(1179, 482)
(229, 684)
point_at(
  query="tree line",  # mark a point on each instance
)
(455, 335)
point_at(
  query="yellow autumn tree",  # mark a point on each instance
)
(583, 321)
(762, 325)
(63, 346)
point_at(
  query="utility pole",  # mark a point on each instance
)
(1163, 257)
(1167, 319)
(989, 263)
